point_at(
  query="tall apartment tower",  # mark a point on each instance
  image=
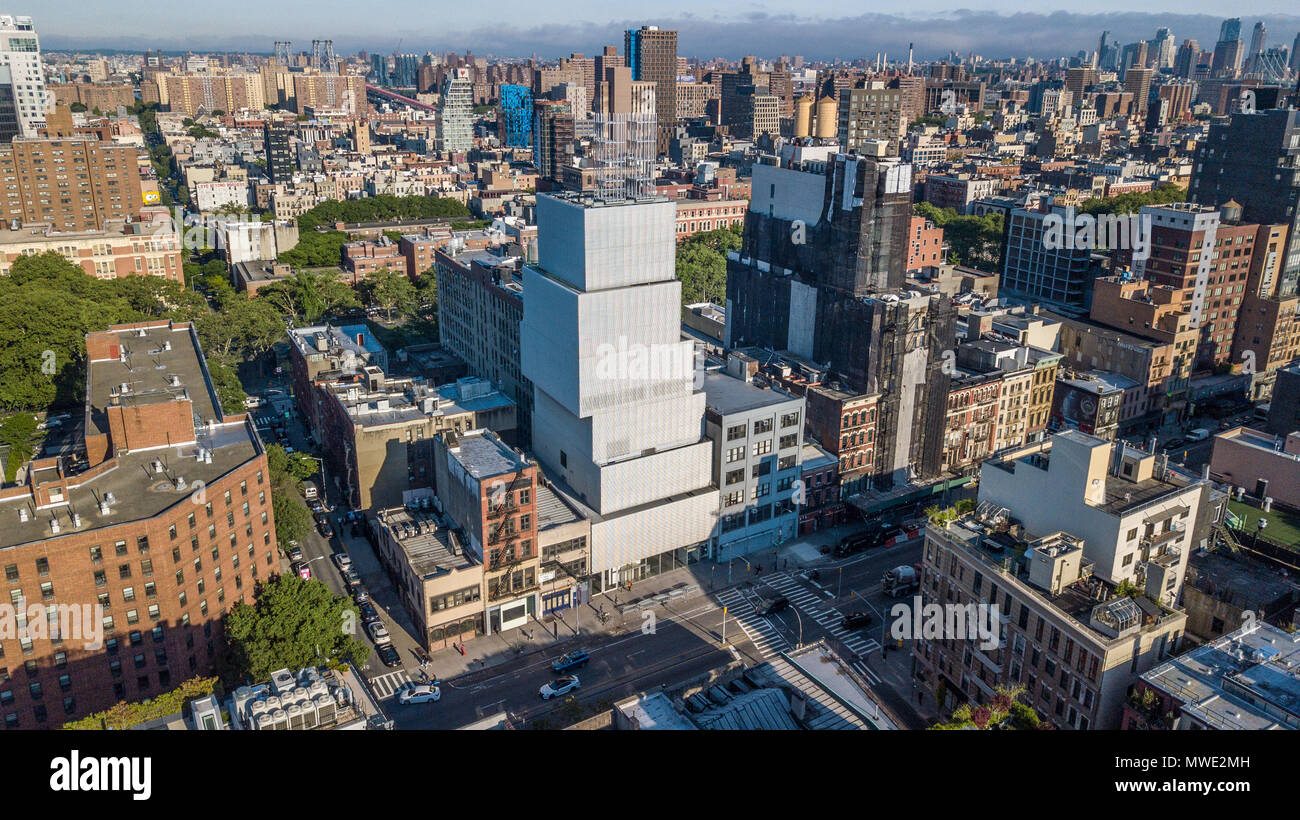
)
(1229, 50)
(820, 274)
(1252, 158)
(1185, 60)
(617, 418)
(651, 53)
(456, 117)
(20, 50)
(279, 157)
(1256, 45)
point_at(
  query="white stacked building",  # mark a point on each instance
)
(618, 418)
(456, 115)
(20, 51)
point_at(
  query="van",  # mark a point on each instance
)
(309, 491)
(1199, 434)
(252, 402)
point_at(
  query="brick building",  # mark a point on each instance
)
(151, 530)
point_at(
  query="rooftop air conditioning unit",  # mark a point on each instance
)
(23, 515)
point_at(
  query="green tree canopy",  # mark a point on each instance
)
(293, 624)
(702, 264)
(389, 291)
(309, 295)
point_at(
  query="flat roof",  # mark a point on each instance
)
(429, 545)
(157, 364)
(1244, 680)
(727, 394)
(484, 455)
(553, 510)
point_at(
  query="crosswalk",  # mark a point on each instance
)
(385, 685)
(813, 605)
(758, 629)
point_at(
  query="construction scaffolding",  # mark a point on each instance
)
(623, 155)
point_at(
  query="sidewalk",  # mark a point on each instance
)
(575, 627)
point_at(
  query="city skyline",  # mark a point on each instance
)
(993, 33)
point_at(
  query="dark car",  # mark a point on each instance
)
(571, 660)
(388, 655)
(360, 594)
(1174, 444)
(778, 605)
(368, 612)
(295, 553)
(325, 529)
(855, 620)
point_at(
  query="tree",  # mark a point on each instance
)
(292, 523)
(390, 291)
(230, 392)
(702, 264)
(20, 433)
(244, 328)
(294, 624)
(309, 295)
(77, 107)
(288, 469)
(976, 241)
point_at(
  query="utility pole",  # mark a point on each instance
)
(839, 589)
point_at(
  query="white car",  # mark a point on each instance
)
(342, 560)
(379, 632)
(559, 686)
(418, 693)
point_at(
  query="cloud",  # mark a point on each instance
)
(991, 34)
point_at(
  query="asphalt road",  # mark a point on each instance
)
(686, 640)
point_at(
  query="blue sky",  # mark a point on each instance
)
(521, 27)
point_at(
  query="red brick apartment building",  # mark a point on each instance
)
(152, 530)
(925, 244)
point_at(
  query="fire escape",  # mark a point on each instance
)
(508, 560)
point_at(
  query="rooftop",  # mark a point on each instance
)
(155, 364)
(727, 394)
(430, 547)
(1249, 679)
(483, 454)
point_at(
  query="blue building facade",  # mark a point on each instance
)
(516, 119)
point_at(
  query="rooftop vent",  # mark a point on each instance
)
(180, 483)
(54, 525)
(23, 515)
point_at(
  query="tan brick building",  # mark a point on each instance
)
(73, 182)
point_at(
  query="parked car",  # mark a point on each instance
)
(775, 606)
(1199, 434)
(1174, 444)
(295, 553)
(412, 692)
(301, 569)
(571, 660)
(559, 686)
(350, 577)
(368, 612)
(317, 507)
(325, 530)
(342, 560)
(855, 620)
(388, 655)
(378, 632)
(360, 595)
